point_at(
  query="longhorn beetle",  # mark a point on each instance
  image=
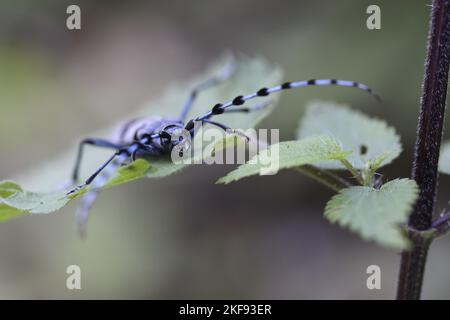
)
(152, 136)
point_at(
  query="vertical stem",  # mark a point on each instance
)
(429, 134)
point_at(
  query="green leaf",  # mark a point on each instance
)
(7, 189)
(8, 213)
(375, 214)
(33, 202)
(15, 201)
(444, 158)
(289, 154)
(133, 171)
(250, 75)
(371, 140)
(230, 141)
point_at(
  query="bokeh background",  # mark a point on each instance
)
(184, 236)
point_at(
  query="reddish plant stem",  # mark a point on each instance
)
(429, 134)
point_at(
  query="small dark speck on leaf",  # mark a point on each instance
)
(363, 149)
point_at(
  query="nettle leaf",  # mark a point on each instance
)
(444, 158)
(371, 140)
(375, 214)
(310, 150)
(7, 189)
(133, 171)
(250, 75)
(230, 141)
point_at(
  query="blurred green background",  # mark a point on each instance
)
(184, 236)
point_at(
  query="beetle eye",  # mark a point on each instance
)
(166, 135)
